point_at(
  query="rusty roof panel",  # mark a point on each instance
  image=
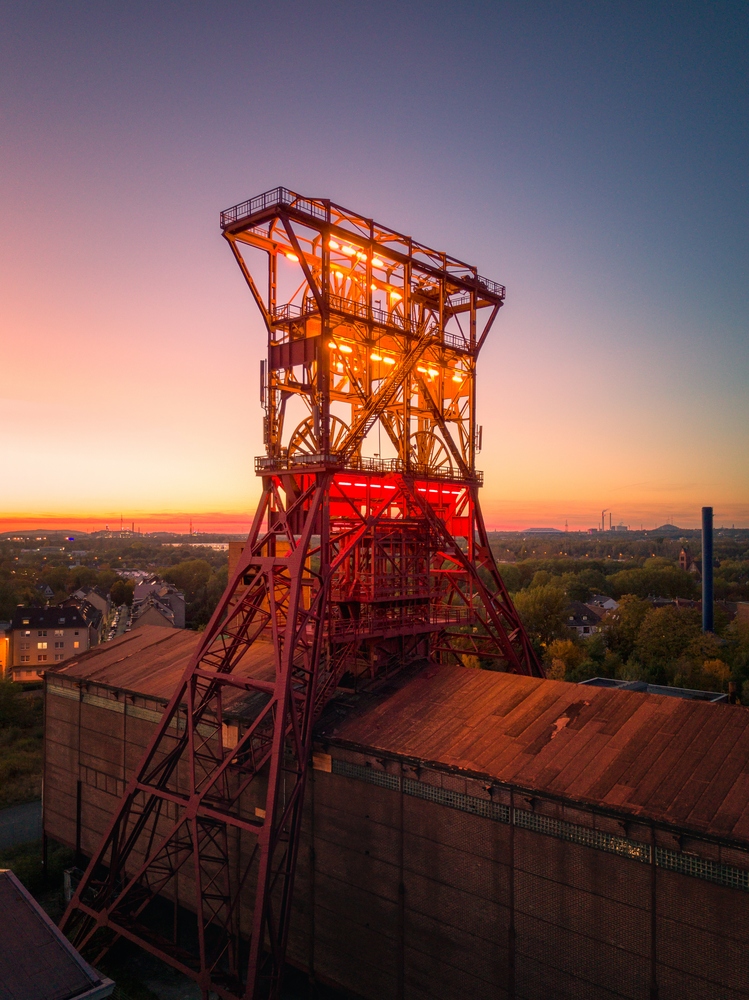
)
(151, 661)
(675, 761)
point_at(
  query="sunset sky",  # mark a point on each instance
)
(592, 157)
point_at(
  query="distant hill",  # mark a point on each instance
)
(668, 529)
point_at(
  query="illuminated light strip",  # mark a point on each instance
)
(421, 491)
(434, 491)
(341, 483)
(360, 484)
(388, 487)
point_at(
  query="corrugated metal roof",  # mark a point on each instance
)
(151, 660)
(680, 762)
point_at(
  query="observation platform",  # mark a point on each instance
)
(347, 225)
(269, 464)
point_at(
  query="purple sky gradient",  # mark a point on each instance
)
(593, 158)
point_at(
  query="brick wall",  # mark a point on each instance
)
(415, 883)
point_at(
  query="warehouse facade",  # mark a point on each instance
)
(470, 834)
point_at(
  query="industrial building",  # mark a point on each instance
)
(466, 833)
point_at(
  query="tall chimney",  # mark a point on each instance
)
(707, 569)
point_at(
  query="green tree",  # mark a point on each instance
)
(58, 578)
(543, 611)
(9, 599)
(562, 657)
(105, 578)
(83, 576)
(512, 577)
(597, 660)
(190, 576)
(621, 625)
(663, 638)
(121, 592)
(653, 581)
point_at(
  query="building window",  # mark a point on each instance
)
(586, 630)
(42, 658)
(41, 645)
(42, 633)
(76, 644)
(25, 659)
(59, 656)
(59, 631)
(26, 621)
(76, 632)
(59, 645)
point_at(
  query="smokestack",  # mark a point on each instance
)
(707, 569)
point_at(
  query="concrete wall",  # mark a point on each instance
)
(414, 883)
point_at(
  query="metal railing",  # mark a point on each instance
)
(362, 310)
(358, 463)
(290, 311)
(269, 199)
(372, 619)
(493, 287)
(455, 340)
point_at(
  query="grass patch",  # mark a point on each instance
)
(21, 745)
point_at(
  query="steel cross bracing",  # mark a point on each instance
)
(367, 552)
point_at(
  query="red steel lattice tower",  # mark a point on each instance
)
(367, 552)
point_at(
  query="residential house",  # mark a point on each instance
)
(165, 594)
(583, 619)
(602, 603)
(97, 597)
(152, 611)
(41, 637)
(46, 592)
(95, 618)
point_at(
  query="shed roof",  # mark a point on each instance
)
(684, 763)
(36, 961)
